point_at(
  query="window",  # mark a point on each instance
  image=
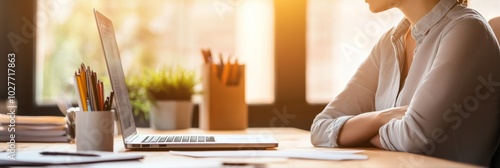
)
(340, 35)
(152, 34)
(489, 9)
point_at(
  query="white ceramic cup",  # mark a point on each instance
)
(94, 130)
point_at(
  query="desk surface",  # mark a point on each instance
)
(288, 138)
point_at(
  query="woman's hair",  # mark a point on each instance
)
(463, 2)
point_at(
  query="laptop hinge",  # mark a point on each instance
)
(131, 137)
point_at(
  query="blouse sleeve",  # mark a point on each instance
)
(357, 97)
(456, 83)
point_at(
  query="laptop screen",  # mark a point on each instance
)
(116, 75)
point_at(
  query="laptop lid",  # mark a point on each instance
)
(116, 75)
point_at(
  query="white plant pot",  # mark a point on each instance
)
(171, 115)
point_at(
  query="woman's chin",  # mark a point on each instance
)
(376, 9)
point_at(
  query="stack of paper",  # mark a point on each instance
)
(32, 128)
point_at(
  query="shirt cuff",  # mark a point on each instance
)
(384, 136)
(335, 129)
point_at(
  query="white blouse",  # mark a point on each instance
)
(452, 89)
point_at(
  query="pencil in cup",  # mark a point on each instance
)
(91, 91)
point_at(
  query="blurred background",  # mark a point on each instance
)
(299, 53)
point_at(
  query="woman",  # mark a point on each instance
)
(429, 86)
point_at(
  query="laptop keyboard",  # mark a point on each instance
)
(160, 139)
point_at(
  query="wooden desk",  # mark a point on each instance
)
(288, 138)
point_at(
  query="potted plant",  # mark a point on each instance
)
(139, 100)
(170, 92)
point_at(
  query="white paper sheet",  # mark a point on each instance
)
(167, 163)
(34, 158)
(314, 155)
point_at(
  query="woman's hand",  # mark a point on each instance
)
(384, 117)
(387, 115)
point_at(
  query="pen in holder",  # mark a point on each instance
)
(223, 106)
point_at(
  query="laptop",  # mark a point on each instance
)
(135, 141)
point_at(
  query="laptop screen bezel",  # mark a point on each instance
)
(113, 63)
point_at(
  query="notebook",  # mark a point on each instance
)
(133, 140)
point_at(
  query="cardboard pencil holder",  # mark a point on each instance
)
(223, 106)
